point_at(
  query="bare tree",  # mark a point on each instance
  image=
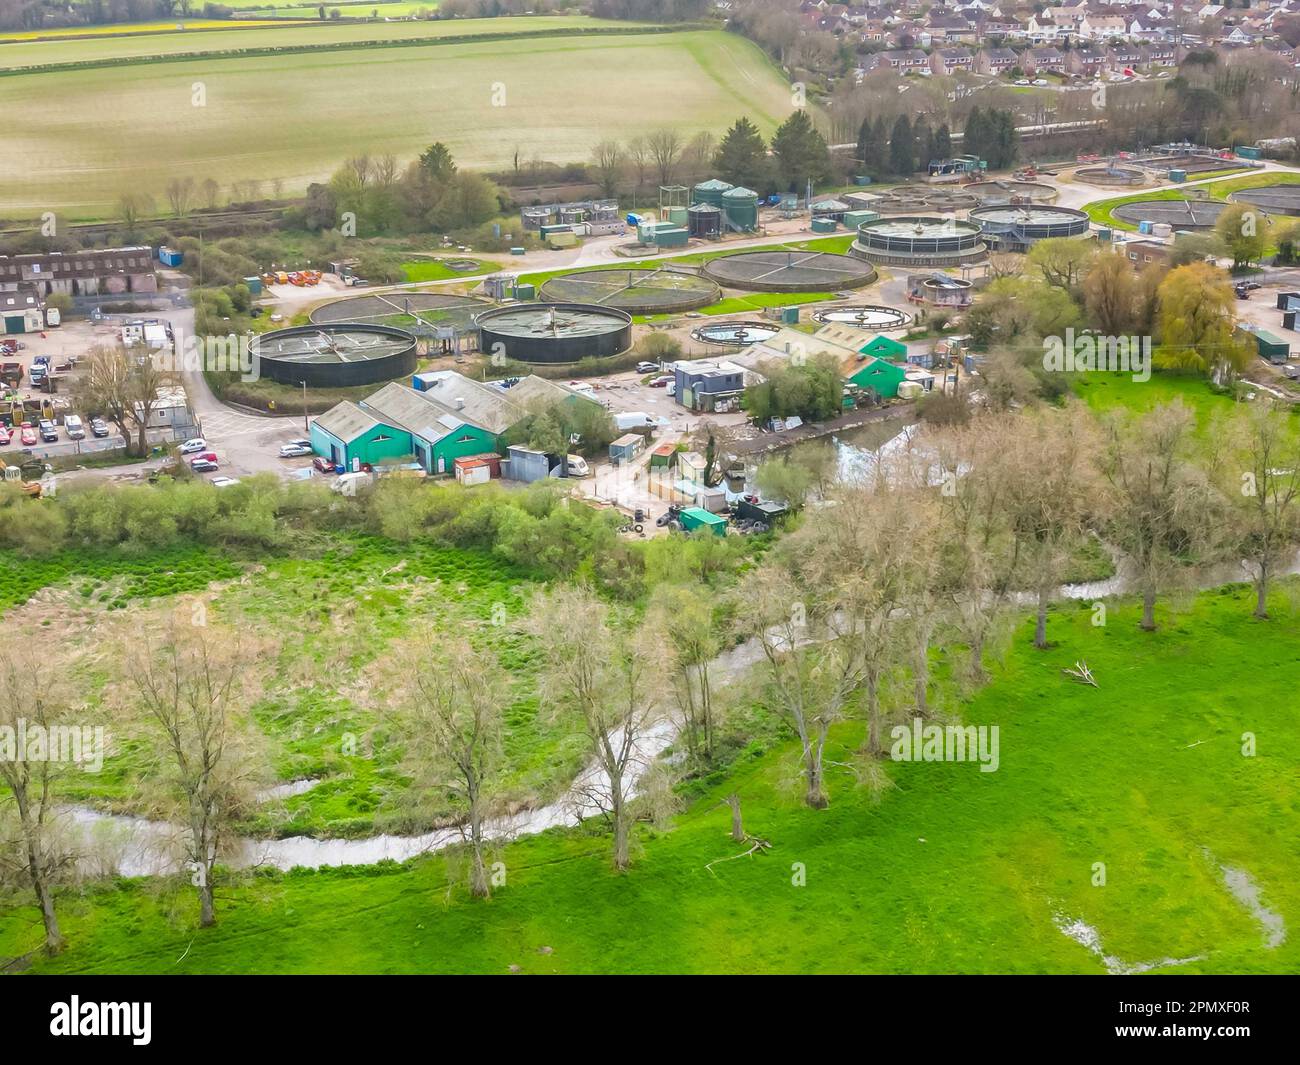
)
(132, 206)
(28, 703)
(666, 150)
(685, 620)
(125, 388)
(606, 679)
(639, 155)
(179, 193)
(607, 162)
(1053, 488)
(811, 672)
(1265, 486)
(1161, 500)
(191, 688)
(449, 712)
(211, 190)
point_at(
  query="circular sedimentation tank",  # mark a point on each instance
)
(1272, 199)
(1000, 193)
(1018, 228)
(662, 291)
(405, 310)
(342, 355)
(869, 316)
(920, 241)
(737, 334)
(1113, 175)
(554, 332)
(789, 271)
(1181, 214)
(908, 199)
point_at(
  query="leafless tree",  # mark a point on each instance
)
(30, 701)
(1264, 483)
(449, 708)
(607, 162)
(125, 388)
(606, 679)
(639, 155)
(180, 191)
(1161, 501)
(211, 190)
(666, 150)
(192, 687)
(684, 619)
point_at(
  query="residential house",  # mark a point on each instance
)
(1102, 27)
(947, 61)
(1042, 60)
(996, 61)
(1086, 61)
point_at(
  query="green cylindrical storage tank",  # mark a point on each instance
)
(677, 216)
(1178, 175)
(705, 220)
(710, 192)
(525, 292)
(741, 207)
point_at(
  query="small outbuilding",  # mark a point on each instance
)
(625, 448)
(881, 376)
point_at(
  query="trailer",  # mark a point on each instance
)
(692, 518)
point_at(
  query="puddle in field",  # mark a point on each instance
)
(1089, 938)
(1246, 891)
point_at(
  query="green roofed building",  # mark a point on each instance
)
(882, 347)
(880, 376)
(346, 434)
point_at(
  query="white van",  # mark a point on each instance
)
(73, 427)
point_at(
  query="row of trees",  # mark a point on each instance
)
(796, 154)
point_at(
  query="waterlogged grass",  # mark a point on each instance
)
(947, 870)
(112, 580)
(438, 270)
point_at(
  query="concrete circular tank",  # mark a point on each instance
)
(919, 241)
(660, 290)
(341, 355)
(554, 332)
(1112, 175)
(997, 193)
(1181, 214)
(1272, 199)
(1019, 228)
(789, 271)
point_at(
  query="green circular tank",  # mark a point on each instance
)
(741, 207)
(710, 192)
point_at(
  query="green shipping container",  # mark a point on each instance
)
(824, 225)
(853, 219)
(672, 238)
(693, 518)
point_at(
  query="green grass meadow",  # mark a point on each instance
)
(946, 869)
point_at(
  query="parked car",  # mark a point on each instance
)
(1022, 81)
(98, 427)
(1039, 81)
(5, 435)
(193, 447)
(301, 442)
(662, 381)
(223, 482)
(49, 431)
(323, 465)
(293, 451)
(203, 465)
(27, 434)
(73, 427)
(207, 456)
(647, 367)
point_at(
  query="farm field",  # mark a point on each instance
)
(349, 9)
(126, 29)
(296, 117)
(218, 37)
(947, 870)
